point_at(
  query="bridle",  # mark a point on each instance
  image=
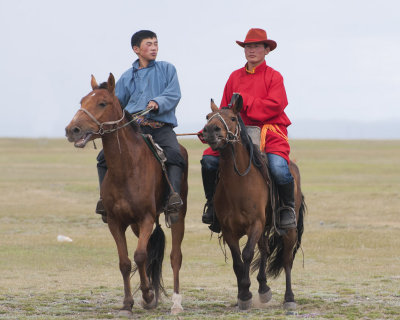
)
(103, 131)
(101, 125)
(232, 138)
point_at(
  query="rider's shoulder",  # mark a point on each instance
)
(165, 65)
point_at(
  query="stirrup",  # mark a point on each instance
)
(208, 214)
(172, 209)
(101, 210)
(292, 219)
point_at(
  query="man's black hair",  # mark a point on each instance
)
(137, 37)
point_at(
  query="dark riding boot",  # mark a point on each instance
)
(286, 216)
(174, 202)
(209, 184)
(101, 170)
(209, 177)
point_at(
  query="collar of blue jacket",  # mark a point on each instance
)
(136, 65)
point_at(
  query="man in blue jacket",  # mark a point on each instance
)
(152, 84)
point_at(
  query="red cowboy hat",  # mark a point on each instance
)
(257, 35)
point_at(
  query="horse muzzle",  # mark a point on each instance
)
(77, 135)
(212, 135)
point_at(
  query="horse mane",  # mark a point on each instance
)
(103, 85)
(128, 116)
(134, 124)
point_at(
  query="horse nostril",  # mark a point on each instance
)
(76, 130)
(217, 129)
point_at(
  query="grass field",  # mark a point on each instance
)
(351, 241)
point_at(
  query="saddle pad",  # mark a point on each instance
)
(155, 148)
(255, 134)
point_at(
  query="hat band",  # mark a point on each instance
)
(255, 40)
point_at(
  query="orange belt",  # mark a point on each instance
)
(270, 127)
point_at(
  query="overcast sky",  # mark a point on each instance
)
(340, 59)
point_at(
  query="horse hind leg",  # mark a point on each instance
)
(125, 265)
(289, 243)
(177, 232)
(264, 291)
(149, 299)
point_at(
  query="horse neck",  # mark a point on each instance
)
(242, 158)
(122, 149)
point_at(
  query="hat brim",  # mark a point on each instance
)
(271, 43)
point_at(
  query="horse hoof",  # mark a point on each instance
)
(176, 310)
(176, 307)
(151, 305)
(265, 297)
(290, 306)
(125, 313)
(244, 305)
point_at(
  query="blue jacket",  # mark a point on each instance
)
(158, 82)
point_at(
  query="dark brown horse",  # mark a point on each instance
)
(133, 192)
(243, 207)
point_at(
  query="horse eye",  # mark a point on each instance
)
(207, 116)
(233, 118)
(102, 104)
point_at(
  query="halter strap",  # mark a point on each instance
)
(235, 138)
(230, 137)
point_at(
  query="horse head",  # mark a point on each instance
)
(95, 113)
(222, 124)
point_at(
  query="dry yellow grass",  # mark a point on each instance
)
(351, 241)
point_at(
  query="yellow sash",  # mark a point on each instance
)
(271, 127)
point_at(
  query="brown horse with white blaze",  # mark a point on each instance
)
(133, 192)
(243, 206)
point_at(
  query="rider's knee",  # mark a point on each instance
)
(279, 169)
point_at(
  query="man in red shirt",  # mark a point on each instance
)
(264, 101)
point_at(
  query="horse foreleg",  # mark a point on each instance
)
(140, 257)
(264, 291)
(125, 265)
(247, 256)
(177, 232)
(288, 246)
(238, 268)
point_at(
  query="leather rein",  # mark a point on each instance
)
(103, 131)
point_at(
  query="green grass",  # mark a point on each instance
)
(351, 241)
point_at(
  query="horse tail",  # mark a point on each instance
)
(155, 257)
(275, 259)
(300, 224)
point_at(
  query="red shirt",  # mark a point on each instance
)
(264, 102)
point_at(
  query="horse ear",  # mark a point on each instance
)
(93, 83)
(214, 107)
(111, 83)
(237, 103)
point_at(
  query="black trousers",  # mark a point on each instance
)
(165, 137)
